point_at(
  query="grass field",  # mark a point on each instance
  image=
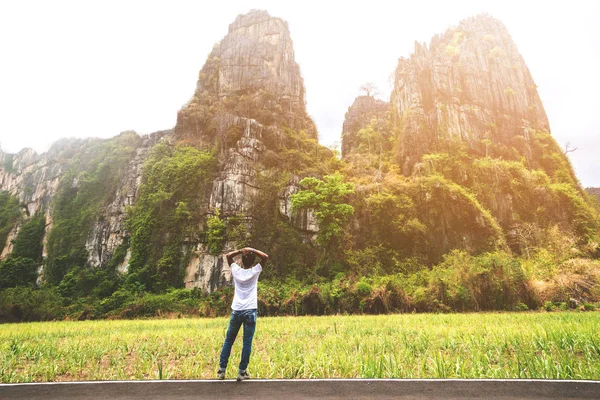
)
(503, 345)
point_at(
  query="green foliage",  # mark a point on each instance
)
(419, 219)
(237, 231)
(291, 255)
(119, 254)
(394, 220)
(90, 283)
(582, 214)
(9, 215)
(548, 156)
(521, 307)
(453, 191)
(327, 198)
(300, 153)
(373, 260)
(215, 233)
(490, 281)
(373, 138)
(153, 305)
(363, 287)
(85, 188)
(28, 304)
(175, 181)
(17, 271)
(28, 243)
(20, 267)
(461, 282)
(511, 193)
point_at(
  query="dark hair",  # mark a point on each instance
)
(248, 259)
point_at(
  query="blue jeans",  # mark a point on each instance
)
(248, 318)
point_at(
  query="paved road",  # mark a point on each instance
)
(307, 389)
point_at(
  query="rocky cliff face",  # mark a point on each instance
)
(257, 53)
(251, 73)
(249, 90)
(359, 115)
(34, 179)
(250, 87)
(109, 230)
(470, 84)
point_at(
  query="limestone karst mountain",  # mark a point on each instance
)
(466, 125)
(460, 163)
(249, 103)
(248, 91)
(251, 72)
(470, 84)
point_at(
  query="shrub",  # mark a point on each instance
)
(363, 288)
(17, 271)
(491, 281)
(27, 304)
(28, 243)
(215, 233)
(521, 307)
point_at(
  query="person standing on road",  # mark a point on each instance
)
(244, 307)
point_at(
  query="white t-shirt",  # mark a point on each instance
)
(245, 281)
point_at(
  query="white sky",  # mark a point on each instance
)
(97, 68)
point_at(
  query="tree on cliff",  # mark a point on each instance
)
(327, 198)
(369, 89)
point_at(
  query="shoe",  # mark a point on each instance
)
(242, 376)
(221, 374)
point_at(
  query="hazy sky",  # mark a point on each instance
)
(96, 68)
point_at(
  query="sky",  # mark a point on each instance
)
(97, 68)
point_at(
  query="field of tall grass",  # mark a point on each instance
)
(557, 345)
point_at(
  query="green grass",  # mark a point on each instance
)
(503, 345)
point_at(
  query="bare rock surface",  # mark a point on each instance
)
(109, 231)
(469, 84)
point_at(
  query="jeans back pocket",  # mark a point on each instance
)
(251, 318)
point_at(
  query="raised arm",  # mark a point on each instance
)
(264, 257)
(232, 254)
